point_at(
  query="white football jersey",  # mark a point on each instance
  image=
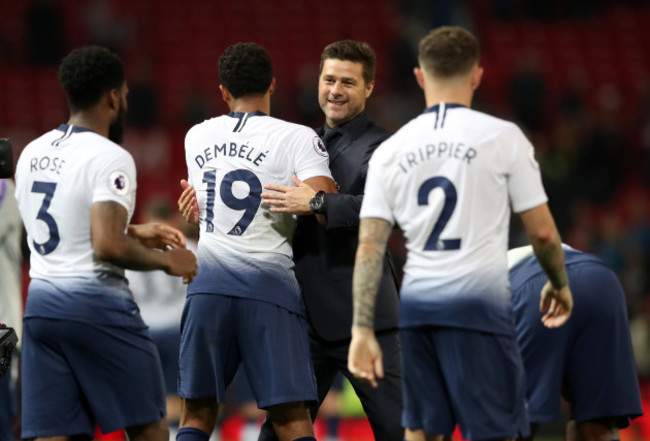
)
(447, 178)
(58, 178)
(243, 246)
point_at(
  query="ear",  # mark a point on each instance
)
(369, 88)
(477, 75)
(419, 77)
(114, 98)
(272, 86)
(225, 95)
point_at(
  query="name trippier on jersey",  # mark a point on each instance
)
(442, 150)
(46, 163)
(243, 151)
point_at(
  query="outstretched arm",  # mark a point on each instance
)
(108, 224)
(556, 297)
(365, 357)
(295, 199)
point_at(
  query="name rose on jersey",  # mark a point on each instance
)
(441, 150)
(232, 149)
(45, 163)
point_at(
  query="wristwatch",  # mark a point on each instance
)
(317, 202)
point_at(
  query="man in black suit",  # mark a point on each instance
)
(325, 248)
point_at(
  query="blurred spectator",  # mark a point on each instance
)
(44, 28)
(601, 158)
(640, 333)
(143, 98)
(309, 115)
(526, 91)
(196, 106)
(104, 27)
(11, 306)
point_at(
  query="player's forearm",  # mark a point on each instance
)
(373, 237)
(112, 244)
(551, 258)
(546, 243)
(130, 254)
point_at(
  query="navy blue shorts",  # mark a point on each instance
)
(458, 376)
(76, 375)
(168, 342)
(589, 361)
(219, 333)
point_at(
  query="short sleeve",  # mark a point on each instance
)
(375, 202)
(311, 158)
(524, 178)
(115, 180)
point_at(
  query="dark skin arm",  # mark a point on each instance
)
(112, 244)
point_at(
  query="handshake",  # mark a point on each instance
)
(8, 340)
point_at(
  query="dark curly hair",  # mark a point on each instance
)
(87, 73)
(355, 51)
(245, 69)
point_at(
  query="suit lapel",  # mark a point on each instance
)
(345, 142)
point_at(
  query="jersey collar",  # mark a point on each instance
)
(436, 108)
(73, 129)
(241, 114)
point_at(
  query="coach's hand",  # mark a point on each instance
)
(288, 199)
(557, 303)
(187, 204)
(365, 357)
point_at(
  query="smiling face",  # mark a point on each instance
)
(342, 92)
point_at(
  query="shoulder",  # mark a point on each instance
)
(489, 123)
(288, 128)
(106, 147)
(201, 128)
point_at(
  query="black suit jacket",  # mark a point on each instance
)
(324, 255)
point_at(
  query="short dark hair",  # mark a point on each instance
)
(448, 51)
(87, 73)
(245, 69)
(355, 51)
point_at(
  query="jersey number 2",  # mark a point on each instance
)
(249, 204)
(47, 188)
(434, 242)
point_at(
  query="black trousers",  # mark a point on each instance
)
(382, 405)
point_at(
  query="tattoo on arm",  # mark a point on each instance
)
(551, 259)
(373, 238)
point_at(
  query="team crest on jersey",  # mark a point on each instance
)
(119, 183)
(319, 146)
(531, 156)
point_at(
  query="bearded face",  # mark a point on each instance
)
(116, 129)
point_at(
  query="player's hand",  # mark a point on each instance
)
(157, 235)
(181, 262)
(365, 357)
(187, 204)
(286, 199)
(557, 303)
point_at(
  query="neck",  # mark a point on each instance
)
(90, 119)
(449, 90)
(437, 95)
(248, 104)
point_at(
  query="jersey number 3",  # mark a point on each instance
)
(47, 188)
(249, 204)
(434, 242)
